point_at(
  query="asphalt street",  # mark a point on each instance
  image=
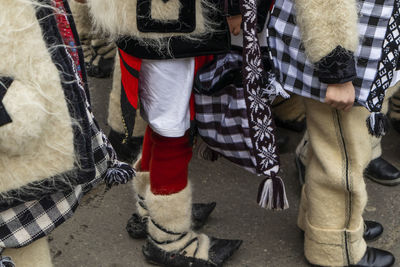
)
(96, 235)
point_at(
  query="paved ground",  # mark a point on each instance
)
(96, 236)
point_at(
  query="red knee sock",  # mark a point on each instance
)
(169, 164)
(146, 150)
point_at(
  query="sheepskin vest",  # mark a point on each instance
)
(45, 134)
(163, 29)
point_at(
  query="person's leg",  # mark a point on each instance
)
(289, 113)
(102, 61)
(35, 254)
(395, 110)
(127, 148)
(380, 170)
(334, 194)
(80, 12)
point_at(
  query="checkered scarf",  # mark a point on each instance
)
(377, 56)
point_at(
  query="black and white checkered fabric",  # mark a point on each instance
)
(25, 223)
(378, 44)
(223, 115)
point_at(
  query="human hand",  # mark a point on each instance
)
(341, 96)
(234, 23)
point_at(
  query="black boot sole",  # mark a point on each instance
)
(383, 182)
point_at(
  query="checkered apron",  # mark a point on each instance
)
(377, 56)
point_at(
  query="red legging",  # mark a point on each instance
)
(167, 159)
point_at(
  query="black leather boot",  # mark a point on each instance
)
(382, 172)
(136, 226)
(374, 257)
(372, 230)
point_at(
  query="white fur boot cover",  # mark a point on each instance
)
(34, 255)
(140, 185)
(170, 221)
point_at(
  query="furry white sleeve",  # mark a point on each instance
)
(327, 24)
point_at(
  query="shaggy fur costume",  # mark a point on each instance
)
(34, 101)
(121, 18)
(115, 119)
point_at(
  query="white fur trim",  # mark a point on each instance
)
(114, 105)
(118, 18)
(326, 24)
(140, 184)
(174, 213)
(165, 11)
(39, 142)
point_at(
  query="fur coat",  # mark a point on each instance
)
(51, 149)
(159, 29)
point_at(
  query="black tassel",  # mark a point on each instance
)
(378, 124)
(272, 194)
(6, 262)
(119, 173)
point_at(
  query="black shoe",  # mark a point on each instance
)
(382, 172)
(396, 125)
(128, 151)
(301, 170)
(220, 250)
(374, 257)
(136, 226)
(372, 230)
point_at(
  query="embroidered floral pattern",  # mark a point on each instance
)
(261, 123)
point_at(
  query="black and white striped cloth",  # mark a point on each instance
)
(377, 56)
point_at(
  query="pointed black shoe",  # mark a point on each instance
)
(382, 172)
(372, 230)
(136, 226)
(374, 257)
(220, 250)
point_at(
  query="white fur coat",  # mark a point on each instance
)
(119, 17)
(39, 142)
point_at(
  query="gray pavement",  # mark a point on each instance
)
(96, 235)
